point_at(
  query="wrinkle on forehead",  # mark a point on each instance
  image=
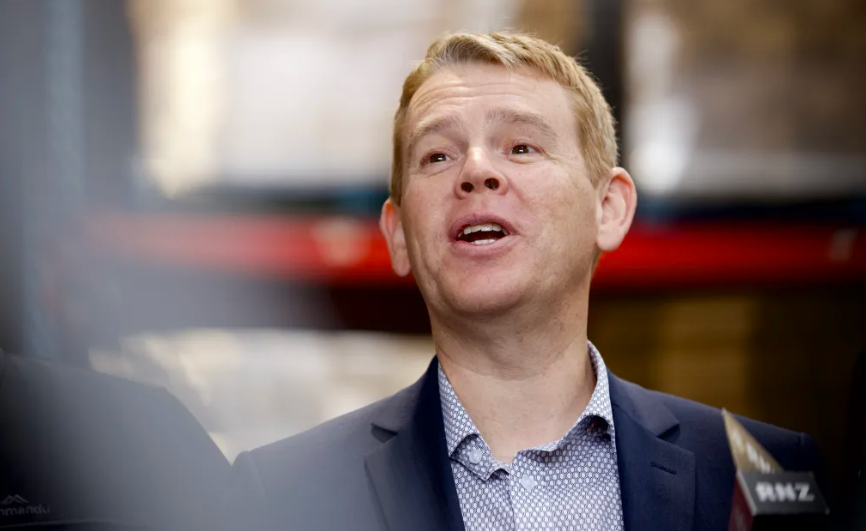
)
(457, 87)
(443, 100)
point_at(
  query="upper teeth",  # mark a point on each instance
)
(484, 226)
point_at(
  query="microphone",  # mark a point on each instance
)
(766, 498)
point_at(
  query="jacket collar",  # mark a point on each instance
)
(411, 470)
(657, 478)
(412, 478)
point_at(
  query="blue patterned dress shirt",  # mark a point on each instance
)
(569, 484)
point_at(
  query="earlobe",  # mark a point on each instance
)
(391, 225)
(618, 202)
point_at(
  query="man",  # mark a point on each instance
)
(504, 192)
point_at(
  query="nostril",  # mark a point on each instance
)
(493, 184)
(467, 187)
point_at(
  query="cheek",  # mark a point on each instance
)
(420, 226)
(566, 215)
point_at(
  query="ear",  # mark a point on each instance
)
(391, 225)
(618, 201)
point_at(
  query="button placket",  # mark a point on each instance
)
(530, 510)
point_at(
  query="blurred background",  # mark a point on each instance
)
(190, 191)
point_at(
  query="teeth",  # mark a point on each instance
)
(485, 226)
(484, 242)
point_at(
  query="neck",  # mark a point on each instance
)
(523, 378)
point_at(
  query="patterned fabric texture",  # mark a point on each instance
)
(569, 484)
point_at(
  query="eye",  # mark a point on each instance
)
(522, 149)
(435, 157)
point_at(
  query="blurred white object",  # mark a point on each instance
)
(253, 387)
(280, 92)
(722, 100)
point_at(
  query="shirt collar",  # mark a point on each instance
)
(599, 405)
(459, 426)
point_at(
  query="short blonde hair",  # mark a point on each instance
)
(594, 119)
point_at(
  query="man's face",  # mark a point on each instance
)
(495, 152)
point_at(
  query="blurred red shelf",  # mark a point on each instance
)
(352, 251)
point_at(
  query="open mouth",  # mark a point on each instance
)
(482, 233)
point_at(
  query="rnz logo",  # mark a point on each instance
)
(783, 492)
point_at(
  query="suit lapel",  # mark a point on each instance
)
(412, 480)
(657, 478)
(411, 471)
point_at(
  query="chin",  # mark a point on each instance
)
(483, 299)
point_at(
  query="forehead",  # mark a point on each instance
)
(466, 88)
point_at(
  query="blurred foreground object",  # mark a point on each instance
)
(767, 497)
(87, 451)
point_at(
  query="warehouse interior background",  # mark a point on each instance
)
(190, 191)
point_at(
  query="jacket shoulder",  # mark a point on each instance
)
(300, 480)
(339, 434)
(698, 414)
(350, 434)
(703, 427)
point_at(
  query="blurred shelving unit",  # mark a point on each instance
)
(351, 250)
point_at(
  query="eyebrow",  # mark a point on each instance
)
(502, 114)
(430, 126)
(513, 116)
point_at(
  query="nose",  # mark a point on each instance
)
(479, 173)
(490, 182)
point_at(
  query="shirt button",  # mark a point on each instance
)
(528, 482)
(475, 456)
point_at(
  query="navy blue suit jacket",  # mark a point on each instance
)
(385, 467)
